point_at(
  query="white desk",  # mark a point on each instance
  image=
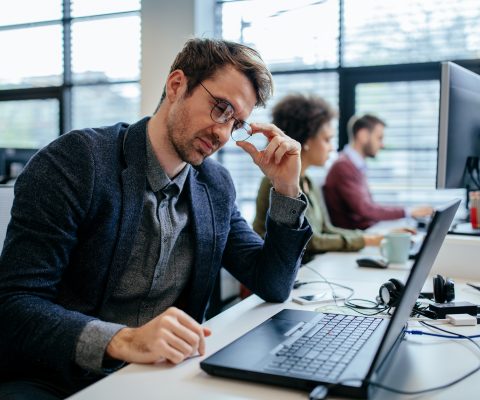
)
(421, 361)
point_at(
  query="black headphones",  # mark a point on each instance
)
(390, 292)
(443, 289)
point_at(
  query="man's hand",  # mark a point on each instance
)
(421, 211)
(279, 161)
(172, 336)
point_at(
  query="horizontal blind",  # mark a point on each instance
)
(99, 72)
(403, 173)
(393, 32)
(105, 65)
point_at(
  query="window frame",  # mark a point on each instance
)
(63, 92)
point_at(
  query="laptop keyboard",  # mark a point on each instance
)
(323, 352)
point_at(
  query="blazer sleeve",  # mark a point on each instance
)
(267, 267)
(52, 196)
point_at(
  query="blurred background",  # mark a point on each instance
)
(68, 64)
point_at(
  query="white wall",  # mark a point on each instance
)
(166, 25)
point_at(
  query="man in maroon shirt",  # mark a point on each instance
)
(346, 191)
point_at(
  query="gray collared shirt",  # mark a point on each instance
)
(161, 261)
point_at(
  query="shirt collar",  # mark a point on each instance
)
(156, 176)
(355, 157)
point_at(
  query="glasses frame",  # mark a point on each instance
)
(244, 125)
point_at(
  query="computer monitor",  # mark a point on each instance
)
(12, 161)
(459, 129)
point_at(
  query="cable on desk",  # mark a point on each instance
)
(375, 309)
(416, 392)
(349, 303)
(451, 335)
(444, 386)
(325, 280)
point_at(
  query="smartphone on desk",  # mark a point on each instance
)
(317, 298)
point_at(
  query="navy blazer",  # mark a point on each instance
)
(76, 212)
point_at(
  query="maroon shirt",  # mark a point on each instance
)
(349, 201)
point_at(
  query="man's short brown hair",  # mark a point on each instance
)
(200, 59)
(367, 121)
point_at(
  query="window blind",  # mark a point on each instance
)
(404, 171)
(395, 32)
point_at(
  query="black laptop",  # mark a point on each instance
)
(305, 349)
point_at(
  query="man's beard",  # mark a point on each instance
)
(182, 142)
(367, 150)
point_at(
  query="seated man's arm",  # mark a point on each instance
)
(358, 200)
(52, 197)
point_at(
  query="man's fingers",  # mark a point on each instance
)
(178, 343)
(190, 330)
(188, 321)
(190, 336)
(268, 130)
(250, 149)
(271, 149)
(169, 353)
(283, 149)
(201, 348)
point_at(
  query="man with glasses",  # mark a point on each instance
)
(118, 233)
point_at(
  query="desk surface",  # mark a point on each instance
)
(421, 361)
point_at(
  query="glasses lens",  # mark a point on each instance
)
(241, 131)
(222, 112)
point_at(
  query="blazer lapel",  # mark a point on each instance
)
(203, 275)
(133, 189)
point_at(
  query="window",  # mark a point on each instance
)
(290, 34)
(393, 32)
(379, 56)
(67, 64)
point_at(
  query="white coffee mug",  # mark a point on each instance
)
(395, 247)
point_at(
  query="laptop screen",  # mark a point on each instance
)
(436, 233)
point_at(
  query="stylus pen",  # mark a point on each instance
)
(474, 286)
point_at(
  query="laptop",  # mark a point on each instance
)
(305, 349)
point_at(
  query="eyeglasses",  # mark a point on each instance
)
(222, 112)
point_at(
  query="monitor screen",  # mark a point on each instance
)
(459, 128)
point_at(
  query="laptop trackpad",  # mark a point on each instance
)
(248, 350)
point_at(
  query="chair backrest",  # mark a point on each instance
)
(6, 201)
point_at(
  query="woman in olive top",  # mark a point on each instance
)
(307, 119)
